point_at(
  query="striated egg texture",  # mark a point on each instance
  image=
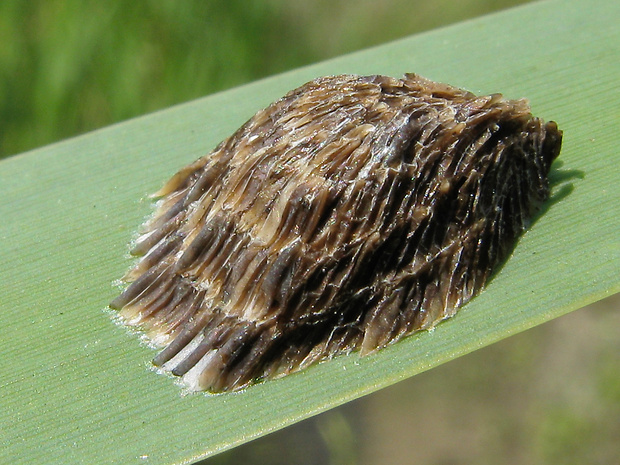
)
(352, 212)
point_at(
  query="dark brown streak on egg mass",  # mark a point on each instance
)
(346, 215)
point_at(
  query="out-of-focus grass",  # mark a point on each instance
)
(67, 67)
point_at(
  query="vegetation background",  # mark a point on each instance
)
(549, 395)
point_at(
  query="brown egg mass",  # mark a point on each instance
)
(352, 212)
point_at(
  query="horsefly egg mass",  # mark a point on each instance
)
(348, 214)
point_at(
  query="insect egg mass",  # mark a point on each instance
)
(352, 212)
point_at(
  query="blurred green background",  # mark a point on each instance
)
(71, 66)
(549, 395)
